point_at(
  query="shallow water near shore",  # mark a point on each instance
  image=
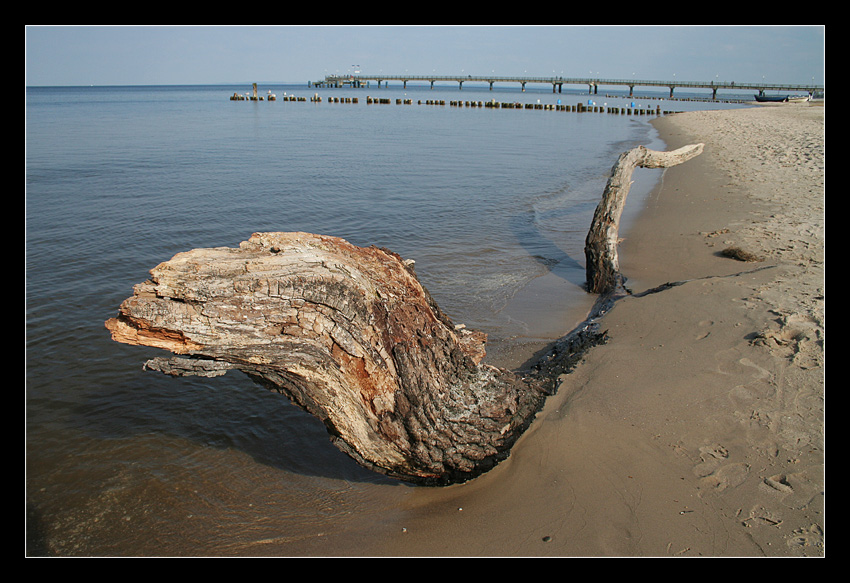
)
(493, 205)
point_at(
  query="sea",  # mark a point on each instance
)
(493, 205)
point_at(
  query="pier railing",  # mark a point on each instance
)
(593, 83)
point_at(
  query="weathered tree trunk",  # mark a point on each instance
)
(351, 336)
(603, 264)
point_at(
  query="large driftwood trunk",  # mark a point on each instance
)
(602, 259)
(350, 335)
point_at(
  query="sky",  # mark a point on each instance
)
(202, 55)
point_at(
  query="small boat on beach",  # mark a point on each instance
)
(771, 98)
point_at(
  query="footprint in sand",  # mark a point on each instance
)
(779, 482)
(714, 471)
(807, 537)
(796, 339)
(761, 516)
(761, 372)
(727, 476)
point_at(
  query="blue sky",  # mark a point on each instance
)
(174, 55)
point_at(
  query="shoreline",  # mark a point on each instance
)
(556, 304)
(697, 430)
(727, 369)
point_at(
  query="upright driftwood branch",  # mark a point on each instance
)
(603, 264)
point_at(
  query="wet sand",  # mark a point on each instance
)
(698, 429)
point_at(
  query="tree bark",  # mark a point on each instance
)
(350, 335)
(602, 259)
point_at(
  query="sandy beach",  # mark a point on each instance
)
(698, 429)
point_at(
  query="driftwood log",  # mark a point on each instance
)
(350, 335)
(602, 259)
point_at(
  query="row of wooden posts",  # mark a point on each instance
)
(493, 104)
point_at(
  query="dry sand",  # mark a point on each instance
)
(698, 429)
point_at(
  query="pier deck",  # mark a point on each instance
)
(593, 83)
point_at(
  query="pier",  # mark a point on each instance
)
(557, 83)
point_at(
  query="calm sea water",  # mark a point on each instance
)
(490, 204)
